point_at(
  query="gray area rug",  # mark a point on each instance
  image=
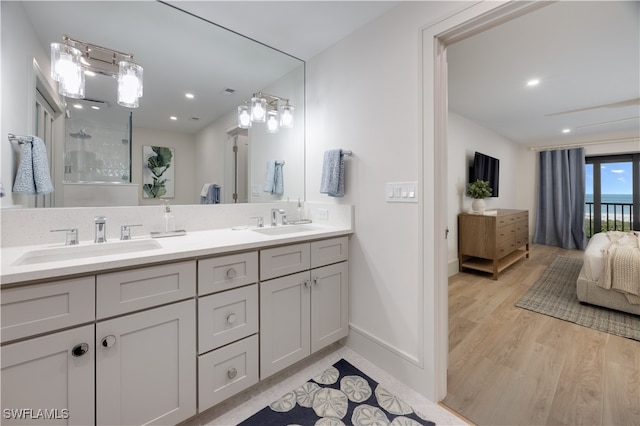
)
(554, 294)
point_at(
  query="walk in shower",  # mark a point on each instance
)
(97, 144)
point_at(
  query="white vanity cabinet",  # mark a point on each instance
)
(131, 360)
(306, 310)
(227, 326)
(53, 371)
(145, 366)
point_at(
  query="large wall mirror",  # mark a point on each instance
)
(99, 150)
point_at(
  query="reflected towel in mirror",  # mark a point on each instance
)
(211, 193)
(33, 175)
(273, 181)
(332, 181)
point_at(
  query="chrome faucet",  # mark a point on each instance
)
(274, 221)
(101, 229)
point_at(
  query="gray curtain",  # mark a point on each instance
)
(560, 210)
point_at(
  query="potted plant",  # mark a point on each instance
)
(478, 190)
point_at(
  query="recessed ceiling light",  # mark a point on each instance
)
(173, 117)
(77, 106)
(95, 107)
(533, 82)
(566, 130)
(189, 95)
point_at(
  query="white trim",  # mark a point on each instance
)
(578, 144)
(404, 355)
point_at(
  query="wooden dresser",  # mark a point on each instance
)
(492, 243)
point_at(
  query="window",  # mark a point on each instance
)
(612, 199)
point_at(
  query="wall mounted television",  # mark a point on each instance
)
(488, 169)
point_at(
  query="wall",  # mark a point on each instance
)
(464, 138)
(19, 48)
(365, 94)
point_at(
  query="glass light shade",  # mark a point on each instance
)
(72, 85)
(129, 84)
(244, 117)
(273, 121)
(65, 61)
(286, 116)
(258, 109)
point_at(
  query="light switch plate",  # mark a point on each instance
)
(401, 192)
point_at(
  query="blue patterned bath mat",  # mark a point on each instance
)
(341, 395)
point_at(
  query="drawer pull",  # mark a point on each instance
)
(231, 273)
(232, 373)
(315, 280)
(109, 341)
(231, 318)
(307, 283)
(79, 350)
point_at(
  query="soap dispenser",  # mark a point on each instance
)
(169, 220)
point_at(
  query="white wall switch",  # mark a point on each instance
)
(401, 192)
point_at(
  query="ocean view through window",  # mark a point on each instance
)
(612, 193)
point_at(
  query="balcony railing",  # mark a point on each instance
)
(614, 217)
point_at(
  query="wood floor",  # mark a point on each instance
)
(510, 366)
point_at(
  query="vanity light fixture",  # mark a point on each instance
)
(71, 59)
(266, 108)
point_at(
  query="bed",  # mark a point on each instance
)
(600, 283)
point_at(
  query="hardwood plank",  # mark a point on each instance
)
(511, 366)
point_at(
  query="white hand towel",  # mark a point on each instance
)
(33, 175)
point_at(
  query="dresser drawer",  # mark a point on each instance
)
(226, 317)
(505, 233)
(132, 290)
(227, 371)
(226, 272)
(505, 248)
(279, 261)
(326, 252)
(40, 308)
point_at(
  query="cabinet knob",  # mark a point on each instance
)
(109, 341)
(79, 350)
(231, 318)
(306, 283)
(232, 373)
(231, 273)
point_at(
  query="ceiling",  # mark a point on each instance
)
(587, 58)
(586, 55)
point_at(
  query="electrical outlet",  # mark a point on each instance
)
(323, 214)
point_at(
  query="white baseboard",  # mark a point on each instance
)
(452, 267)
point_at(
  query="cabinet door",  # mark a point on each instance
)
(146, 366)
(43, 374)
(284, 322)
(329, 305)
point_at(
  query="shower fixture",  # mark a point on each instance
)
(80, 135)
(71, 59)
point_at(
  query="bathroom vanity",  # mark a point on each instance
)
(162, 334)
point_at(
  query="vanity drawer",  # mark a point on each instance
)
(326, 252)
(227, 371)
(279, 261)
(40, 308)
(226, 272)
(226, 317)
(132, 290)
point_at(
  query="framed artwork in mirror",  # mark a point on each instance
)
(158, 172)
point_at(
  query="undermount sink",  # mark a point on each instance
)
(285, 229)
(58, 254)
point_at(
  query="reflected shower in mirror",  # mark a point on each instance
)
(196, 74)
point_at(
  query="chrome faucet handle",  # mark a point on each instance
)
(101, 229)
(259, 221)
(274, 220)
(71, 236)
(125, 232)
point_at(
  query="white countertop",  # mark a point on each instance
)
(196, 244)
